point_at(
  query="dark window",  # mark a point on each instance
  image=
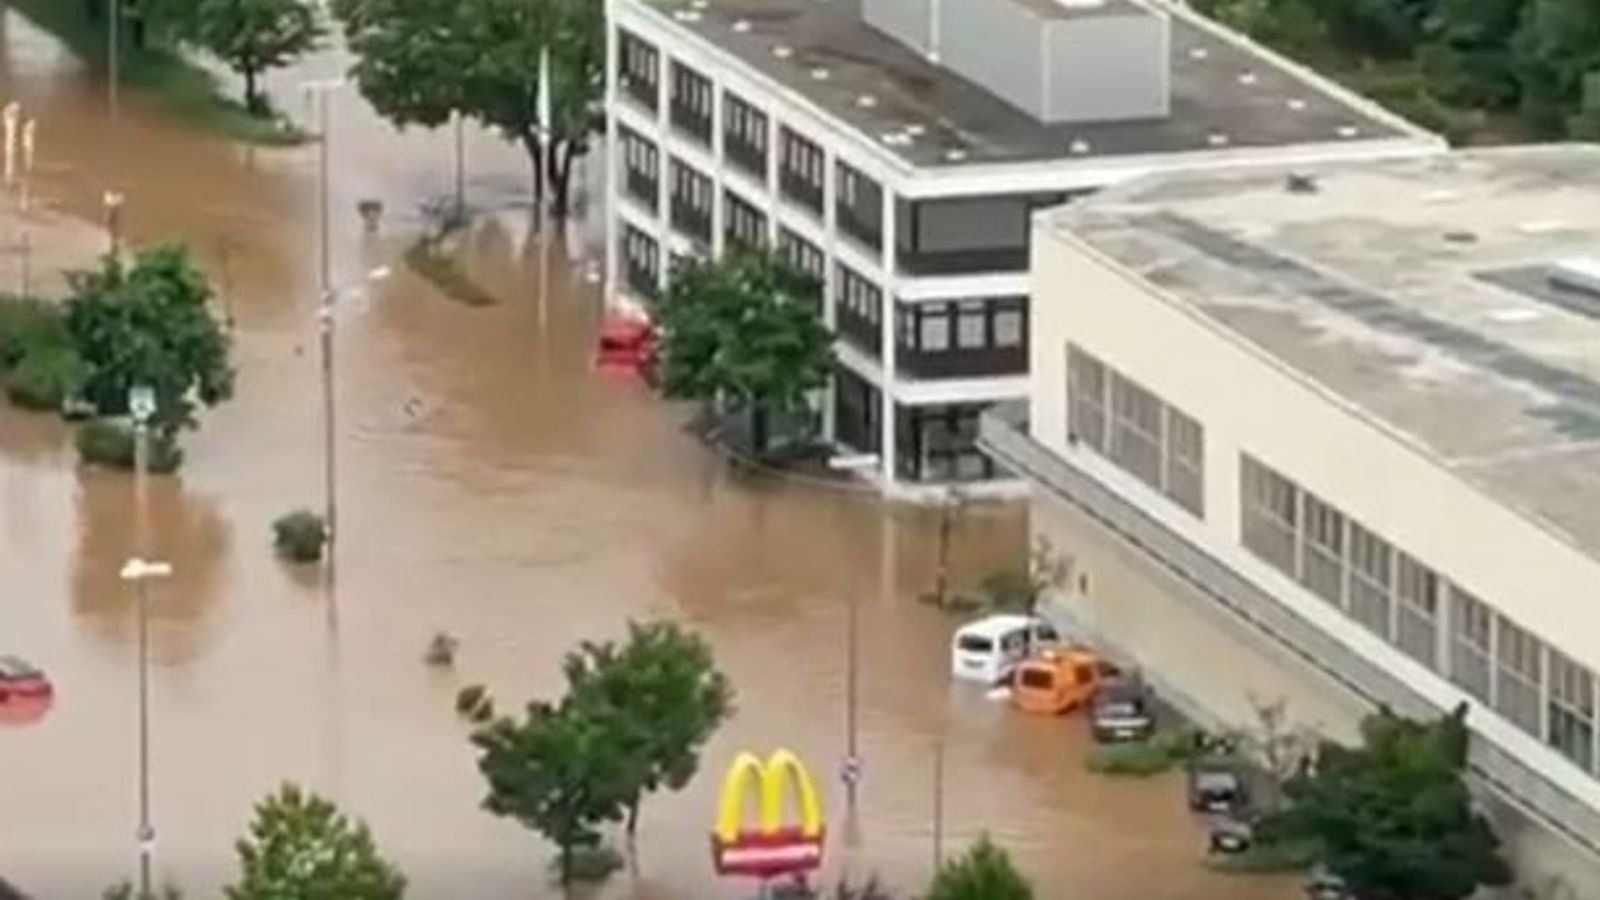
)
(857, 412)
(1416, 615)
(800, 170)
(962, 338)
(691, 103)
(744, 135)
(801, 254)
(859, 207)
(1519, 676)
(691, 202)
(940, 443)
(966, 234)
(1571, 726)
(745, 225)
(641, 261)
(1322, 542)
(641, 167)
(638, 68)
(1269, 515)
(1086, 399)
(858, 310)
(1472, 633)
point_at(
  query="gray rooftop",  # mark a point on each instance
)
(1420, 291)
(1223, 94)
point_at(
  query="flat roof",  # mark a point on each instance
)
(1420, 291)
(1224, 94)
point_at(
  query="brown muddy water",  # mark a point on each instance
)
(493, 486)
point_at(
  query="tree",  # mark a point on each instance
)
(8, 892)
(1393, 817)
(984, 872)
(659, 697)
(300, 847)
(1019, 589)
(1556, 48)
(1468, 56)
(744, 331)
(252, 36)
(556, 772)
(149, 323)
(420, 61)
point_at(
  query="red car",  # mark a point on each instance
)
(626, 344)
(21, 681)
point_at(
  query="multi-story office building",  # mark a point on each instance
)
(1351, 413)
(895, 149)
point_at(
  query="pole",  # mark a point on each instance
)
(113, 54)
(461, 165)
(322, 190)
(938, 804)
(329, 462)
(146, 833)
(852, 703)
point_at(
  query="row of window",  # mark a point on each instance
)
(641, 164)
(942, 326)
(641, 261)
(1136, 430)
(1404, 601)
(691, 198)
(744, 131)
(800, 169)
(744, 224)
(691, 102)
(806, 257)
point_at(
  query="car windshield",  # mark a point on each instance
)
(973, 643)
(1216, 781)
(1044, 634)
(1118, 706)
(1040, 679)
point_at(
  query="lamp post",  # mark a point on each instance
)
(330, 488)
(112, 201)
(113, 53)
(851, 770)
(139, 570)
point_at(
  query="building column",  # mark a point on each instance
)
(830, 269)
(613, 229)
(886, 324)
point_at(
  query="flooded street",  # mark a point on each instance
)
(494, 486)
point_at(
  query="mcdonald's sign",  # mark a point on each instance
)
(774, 846)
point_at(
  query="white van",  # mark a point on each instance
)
(989, 649)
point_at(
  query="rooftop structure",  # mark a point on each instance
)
(1190, 85)
(1445, 298)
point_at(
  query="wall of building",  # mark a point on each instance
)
(1248, 403)
(908, 21)
(996, 44)
(1108, 68)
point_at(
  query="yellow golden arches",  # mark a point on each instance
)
(769, 779)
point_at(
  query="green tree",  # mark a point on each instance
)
(149, 323)
(1393, 817)
(984, 872)
(300, 847)
(1020, 588)
(744, 331)
(1556, 48)
(1468, 56)
(660, 698)
(252, 36)
(420, 61)
(557, 772)
(1585, 123)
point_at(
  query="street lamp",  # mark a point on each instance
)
(113, 53)
(325, 322)
(319, 91)
(139, 570)
(112, 201)
(851, 770)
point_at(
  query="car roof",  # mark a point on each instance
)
(998, 624)
(16, 665)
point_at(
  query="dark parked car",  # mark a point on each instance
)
(1322, 884)
(19, 680)
(1217, 785)
(1121, 711)
(1229, 835)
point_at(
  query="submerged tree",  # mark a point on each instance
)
(744, 331)
(300, 847)
(984, 872)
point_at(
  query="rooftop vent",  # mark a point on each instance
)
(1300, 183)
(782, 51)
(1217, 139)
(1247, 77)
(1056, 60)
(955, 154)
(1577, 273)
(1460, 237)
(819, 73)
(687, 15)
(1079, 146)
(1296, 104)
(741, 25)
(1198, 53)
(1349, 131)
(866, 101)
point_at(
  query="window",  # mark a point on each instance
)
(1472, 627)
(746, 226)
(1185, 461)
(934, 332)
(744, 135)
(638, 63)
(691, 102)
(691, 201)
(940, 443)
(641, 166)
(1009, 321)
(642, 260)
(1371, 568)
(972, 325)
(1519, 675)
(800, 170)
(1417, 611)
(1269, 515)
(1135, 430)
(859, 207)
(1086, 398)
(1571, 711)
(1322, 549)
(860, 309)
(800, 253)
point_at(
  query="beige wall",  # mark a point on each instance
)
(1246, 401)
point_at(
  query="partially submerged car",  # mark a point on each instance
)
(1322, 884)
(989, 650)
(1122, 711)
(1216, 784)
(1059, 681)
(20, 680)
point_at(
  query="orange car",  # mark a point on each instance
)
(1059, 681)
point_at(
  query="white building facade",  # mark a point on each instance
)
(873, 145)
(1349, 414)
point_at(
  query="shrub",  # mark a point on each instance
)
(1133, 759)
(1268, 857)
(102, 442)
(46, 376)
(984, 872)
(26, 324)
(299, 537)
(593, 863)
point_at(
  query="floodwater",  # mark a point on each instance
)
(493, 486)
